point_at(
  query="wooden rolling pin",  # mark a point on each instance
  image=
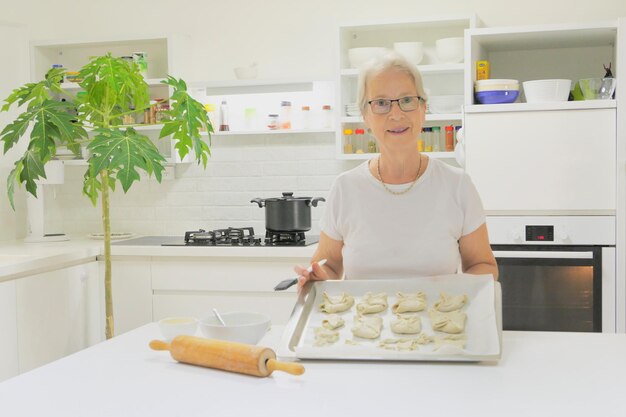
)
(229, 356)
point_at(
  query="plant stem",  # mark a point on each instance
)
(108, 296)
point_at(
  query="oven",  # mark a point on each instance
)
(557, 272)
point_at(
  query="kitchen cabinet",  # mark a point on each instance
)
(8, 329)
(132, 292)
(57, 313)
(165, 55)
(242, 285)
(439, 79)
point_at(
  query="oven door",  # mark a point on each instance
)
(557, 288)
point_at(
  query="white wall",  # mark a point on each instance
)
(287, 39)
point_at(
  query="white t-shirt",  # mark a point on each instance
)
(402, 236)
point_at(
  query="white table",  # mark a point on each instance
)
(540, 374)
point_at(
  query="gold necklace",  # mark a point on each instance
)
(419, 167)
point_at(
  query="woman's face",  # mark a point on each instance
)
(397, 129)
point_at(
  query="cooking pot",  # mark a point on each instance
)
(288, 213)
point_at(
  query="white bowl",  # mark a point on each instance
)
(175, 326)
(246, 73)
(242, 327)
(412, 51)
(445, 104)
(450, 50)
(358, 57)
(542, 91)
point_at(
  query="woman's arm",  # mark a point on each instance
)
(476, 255)
(330, 250)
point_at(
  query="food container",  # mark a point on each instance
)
(597, 88)
(543, 91)
(242, 327)
(496, 91)
(288, 213)
(483, 327)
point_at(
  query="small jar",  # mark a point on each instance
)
(285, 114)
(327, 117)
(348, 141)
(272, 122)
(306, 117)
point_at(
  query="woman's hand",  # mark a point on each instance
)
(318, 273)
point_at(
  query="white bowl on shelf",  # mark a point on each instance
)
(358, 57)
(412, 51)
(544, 91)
(445, 104)
(450, 50)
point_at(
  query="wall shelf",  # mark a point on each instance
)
(268, 132)
(563, 105)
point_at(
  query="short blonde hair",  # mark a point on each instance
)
(390, 60)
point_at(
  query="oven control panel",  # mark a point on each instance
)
(539, 233)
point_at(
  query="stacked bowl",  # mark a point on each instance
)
(352, 110)
(496, 91)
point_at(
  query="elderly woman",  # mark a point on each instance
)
(401, 214)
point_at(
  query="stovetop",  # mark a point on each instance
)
(243, 236)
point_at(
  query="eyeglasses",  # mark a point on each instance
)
(383, 105)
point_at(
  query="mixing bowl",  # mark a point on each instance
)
(497, 96)
(242, 327)
(542, 91)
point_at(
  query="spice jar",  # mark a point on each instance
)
(327, 117)
(285, 114)
(306, 117)
(347, 141)
(449, 138)
(272, 121)
(224, 117)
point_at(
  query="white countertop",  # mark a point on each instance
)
(540, 374)
(19, 259)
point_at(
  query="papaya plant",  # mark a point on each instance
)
(113, 88)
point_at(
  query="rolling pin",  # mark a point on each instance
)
(229, 356)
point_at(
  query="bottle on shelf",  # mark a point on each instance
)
(224, 117)
(428, 139)
(420, 141)
(449, 138)
(360, 143)
(306, 117)
(436, 138)
(327, 117)
(347, 141)
(372, 146)
(482, 70)
(456, 134)
(272, 121)
(285, 114)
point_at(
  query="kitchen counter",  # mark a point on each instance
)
(19, 259)
(540, 374)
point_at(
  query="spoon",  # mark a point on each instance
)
(219, 318)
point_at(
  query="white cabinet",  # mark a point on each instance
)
(132, 292)
(8, 329)
(193, 287)
(550, 158)
(58, 313)
(165, 55)
(439, 78)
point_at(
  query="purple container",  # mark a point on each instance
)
(497, 96)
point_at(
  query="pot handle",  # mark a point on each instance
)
(315, 201)
(259, 201)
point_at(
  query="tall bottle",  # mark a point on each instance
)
(428, 139)
(359, 140)
(285, 114)
(436, 139)
(449, 138)
(420, 141)
(347, 141)
(224, 117)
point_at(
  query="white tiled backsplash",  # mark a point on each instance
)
(240, 168)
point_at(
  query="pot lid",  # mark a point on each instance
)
(288, 197)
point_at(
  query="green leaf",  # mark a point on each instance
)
(12, 132)
(122, 152)
(12, 179)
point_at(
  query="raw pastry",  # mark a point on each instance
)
(336, 303)
(332, 322)
(324, 336)
(450, 302)
(405, 344)
(367, 327)
(407, 324)
(409, 302)
(451, 322)
(372, 303)
(457, 340)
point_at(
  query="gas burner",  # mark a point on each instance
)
(284, 238)
(232, 236)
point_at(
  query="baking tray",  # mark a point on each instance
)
(483, 328)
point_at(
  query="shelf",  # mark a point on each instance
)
(564, 105)
(423, 69)
(255, 86)
(363, 156)
(429, 118)
(139, 127)
(268, 132)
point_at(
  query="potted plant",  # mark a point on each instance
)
(113, 88)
